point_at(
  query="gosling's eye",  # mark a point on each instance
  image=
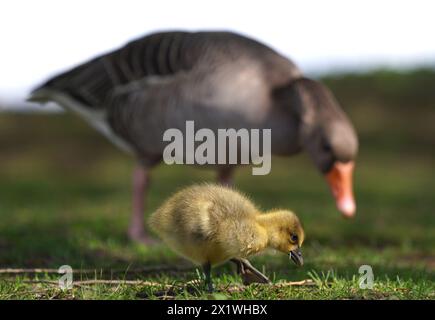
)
(294, 238)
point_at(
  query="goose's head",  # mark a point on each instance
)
(328, 137)
(285, 233)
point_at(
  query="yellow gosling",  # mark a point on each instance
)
(211, 224)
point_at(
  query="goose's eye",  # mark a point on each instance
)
(294, 238)
(326, 147)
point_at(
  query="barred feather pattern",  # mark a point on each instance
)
(159, 54)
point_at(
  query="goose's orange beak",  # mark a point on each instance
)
(340, 181)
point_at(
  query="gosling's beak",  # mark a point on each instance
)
(340, 181)
(296, 256)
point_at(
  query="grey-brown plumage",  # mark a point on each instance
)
(219, 80)
(167, 54)
(159, 81)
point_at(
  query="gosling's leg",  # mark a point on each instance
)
(136, 230)
(248, 272)
(249, 266)
(225, 176)
(207, 276)
(239, 265)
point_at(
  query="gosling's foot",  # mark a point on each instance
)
(209, 287)
(249, 277)
(249, 273)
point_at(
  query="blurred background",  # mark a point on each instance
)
(65, 191)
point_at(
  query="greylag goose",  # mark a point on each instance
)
(219, 80)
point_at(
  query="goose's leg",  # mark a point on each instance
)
(225, 176)
(136, 231)
(248, 272)
(207, 275)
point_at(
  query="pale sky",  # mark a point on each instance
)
(41, 38)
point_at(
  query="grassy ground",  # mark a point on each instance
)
(65, 199)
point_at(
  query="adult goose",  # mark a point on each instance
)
(218, 80)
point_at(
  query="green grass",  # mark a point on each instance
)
(65, 199)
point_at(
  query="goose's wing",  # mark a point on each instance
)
(159, 54)
(88, 89)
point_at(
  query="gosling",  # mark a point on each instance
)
(211, 224)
